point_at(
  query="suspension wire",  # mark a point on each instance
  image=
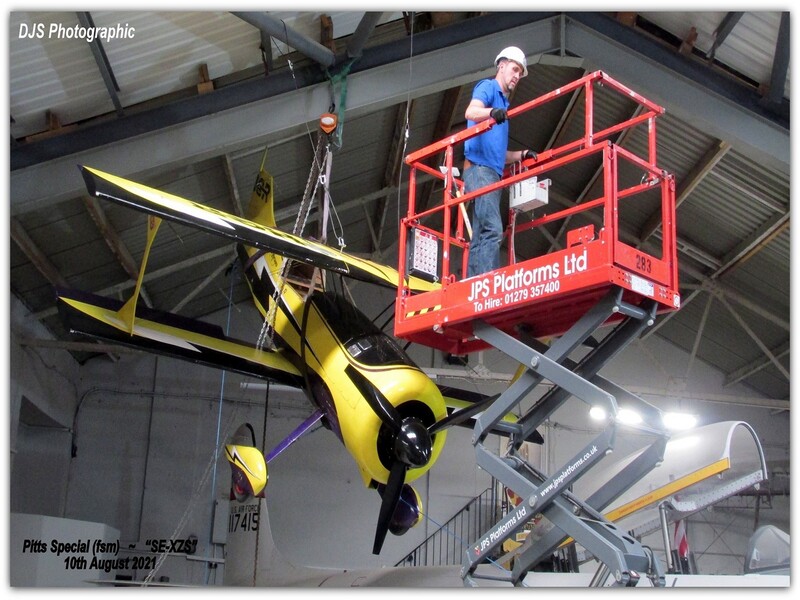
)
(407, 125)
(340, 233)
(311, 190)
(211, 466)
(335, 137)
(383, 312)
(219, 425)
(263, 451)
(192, 503)
(316, 165)
(312, 186)
(410, 79)
(194, 499)
(340, 78)
(291, 70)
(268, 327)
(315, 175)
(265, 336)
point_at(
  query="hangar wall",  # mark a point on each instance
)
(138, 442)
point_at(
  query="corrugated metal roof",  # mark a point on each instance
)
(734, 200)
(161, 55)
(748, 49)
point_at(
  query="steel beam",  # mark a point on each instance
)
(379, 79)
(100, 57)
(442, 58)
(780, 65)
(723, 30)
(365, 28)
(755, 366)
(277, 28)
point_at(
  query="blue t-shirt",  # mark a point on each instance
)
(489, 148)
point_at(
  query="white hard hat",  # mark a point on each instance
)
(515, 54)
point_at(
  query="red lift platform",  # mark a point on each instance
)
(540, 309)
(547, 293)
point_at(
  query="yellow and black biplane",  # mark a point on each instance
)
(389, 414)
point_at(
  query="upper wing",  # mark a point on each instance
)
(175, 208)
(172, 335)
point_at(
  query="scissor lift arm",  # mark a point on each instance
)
(549, 495)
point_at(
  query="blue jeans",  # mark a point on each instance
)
(487, 223)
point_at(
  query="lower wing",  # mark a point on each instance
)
(172, 335)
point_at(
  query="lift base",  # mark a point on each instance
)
(572, 519)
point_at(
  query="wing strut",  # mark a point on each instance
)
(295, 435)
(128, 312)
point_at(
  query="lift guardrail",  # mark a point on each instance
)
(550, 291)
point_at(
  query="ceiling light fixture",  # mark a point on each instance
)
(676, 421)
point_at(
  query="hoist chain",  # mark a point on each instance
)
(312, 185)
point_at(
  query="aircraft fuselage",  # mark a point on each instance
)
(344, 356)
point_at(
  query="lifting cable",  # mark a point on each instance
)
(315, 177)
(232, 275)
(209, 471)
(192, 504)
(322, 158)
(407, 124)
(263, 451)
(265, 336)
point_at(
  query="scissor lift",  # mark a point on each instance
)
(563, 296)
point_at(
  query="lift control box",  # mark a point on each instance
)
(528, 194)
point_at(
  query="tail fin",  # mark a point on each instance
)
(253, 559)
(262, 203)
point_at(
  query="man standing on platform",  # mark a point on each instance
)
(487, 155)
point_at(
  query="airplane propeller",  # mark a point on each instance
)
(409, 443)
(389, 500)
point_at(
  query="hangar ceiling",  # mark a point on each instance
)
(191, 100)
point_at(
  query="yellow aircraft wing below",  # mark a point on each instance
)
(175, 208)
(172, 335)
